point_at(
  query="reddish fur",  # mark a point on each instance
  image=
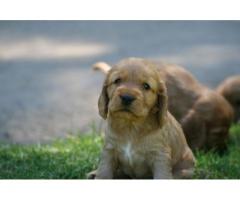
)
(230, 89)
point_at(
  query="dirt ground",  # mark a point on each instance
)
(46, 84)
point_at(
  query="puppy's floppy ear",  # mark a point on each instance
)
(103, 101)
(162, 103)
(194, 129)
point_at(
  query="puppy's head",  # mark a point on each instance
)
(133, 91)
(230, 89)
(217, 115)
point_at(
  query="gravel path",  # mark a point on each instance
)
(46, 85)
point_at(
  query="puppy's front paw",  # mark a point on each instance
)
(91, 175)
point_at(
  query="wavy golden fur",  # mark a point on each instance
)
(204, 114)
(142, 139)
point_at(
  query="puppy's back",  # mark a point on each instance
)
(182, 88)
(230, 89)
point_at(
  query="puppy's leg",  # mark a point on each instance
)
(162, 167)
(185, 167)
(106, 167)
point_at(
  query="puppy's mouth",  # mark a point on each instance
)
(127, 110)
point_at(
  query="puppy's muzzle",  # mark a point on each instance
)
(127, 99)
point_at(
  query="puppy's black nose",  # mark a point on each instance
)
(127, 99)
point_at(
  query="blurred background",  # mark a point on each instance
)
(47, 87)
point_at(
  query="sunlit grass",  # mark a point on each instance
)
(70, 158)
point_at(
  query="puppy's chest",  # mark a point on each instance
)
(131, 155)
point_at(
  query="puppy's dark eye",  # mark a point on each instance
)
(146, 86)
(117, 81)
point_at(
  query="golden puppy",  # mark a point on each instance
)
(230, 89)
(142, 139)
(205, 115)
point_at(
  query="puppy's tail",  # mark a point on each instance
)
(102, 66)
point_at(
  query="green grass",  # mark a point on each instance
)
(73, 157)
(70, 158)
(213, 166)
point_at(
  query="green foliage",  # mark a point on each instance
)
(75, 156)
